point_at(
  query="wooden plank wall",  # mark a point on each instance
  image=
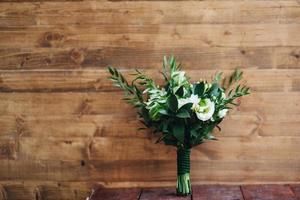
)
(64, 128)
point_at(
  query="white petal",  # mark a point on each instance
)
(222, 113)
(182, 102)
(194, 99)
(206, 112)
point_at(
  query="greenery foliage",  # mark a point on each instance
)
(184, 113)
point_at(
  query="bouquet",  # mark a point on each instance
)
(184, 114)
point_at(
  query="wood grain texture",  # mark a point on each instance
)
(159, 12)
(100, 148)
(126, 194)
(87, 103)
(149, 57)
(268, 192)
(209, 192)
(154, 36)
(65, 130)
(161, 194)
(137, 173)
(296, 190)
(217, 192)
(97, 80)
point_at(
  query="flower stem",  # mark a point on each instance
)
(183, 172)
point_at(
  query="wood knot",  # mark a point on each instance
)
(77, 55)
(227, 33)
(8, 150)
(50, 39)
(125, 37)
(296, 55)
(84, 107)
(243, 52)
(68, 142)
(47, 61)
(53, 36)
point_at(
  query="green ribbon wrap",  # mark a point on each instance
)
(183, 172)
(183, 161)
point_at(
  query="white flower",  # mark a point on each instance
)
(182, 102)
(205, 109)
(222, 113)
(179, 78)
(194, 99)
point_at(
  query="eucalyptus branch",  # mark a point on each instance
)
(238, 92)
(236, 76)
(143, 80)
(133, 95)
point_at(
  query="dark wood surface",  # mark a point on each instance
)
(205, 192)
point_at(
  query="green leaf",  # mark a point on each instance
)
(111, 71)
(187, 107)
(194, 133)
(199, 88)
(164, 112)
(218, 77)
(178, 132)
(165, 125)
(180, 91)
(172, 103)
(170, 140)
(183, 114)
(214, 90)
(196, 126)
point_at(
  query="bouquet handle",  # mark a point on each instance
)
(183, 172)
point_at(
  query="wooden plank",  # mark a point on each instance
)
(63, 103)
(161, 194)
(279, 125)
(46, 192)
(82, 103)
(268, 103)
(145, 173)
(149, 57)
(126, 194)
(44, 170)
(83, 126)
(126, 126)
(229, 148)
(18, 192)
(98, 148)
(97, 80)
(267, 192)
(115, 125)
(160, 12)
(146, 57)
(217, 192)
(139, 36)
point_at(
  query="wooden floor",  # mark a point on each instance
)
(212, 192)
